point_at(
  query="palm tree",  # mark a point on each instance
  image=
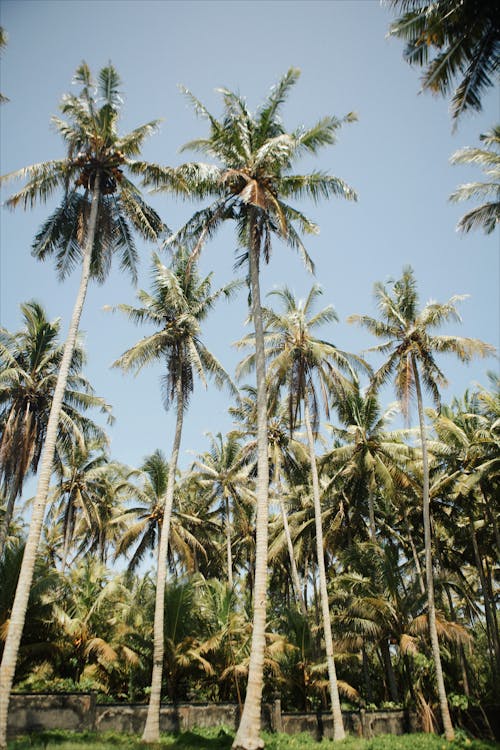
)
(487, 215)
(411, 347)
(251, 183)
(225, 470)
(455, 39)
(143, 521)
(369, 457)
(100, 207)
(179, 303)
(298, 361)
(29, 364)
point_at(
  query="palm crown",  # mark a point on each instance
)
(96, 156)
(253, 157)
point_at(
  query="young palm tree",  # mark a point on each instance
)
(301, 363)
(250, 183)
(29, 365)
(487, 215)
(143, 521)
(100, 207)
(411, 347)
(179, 303)
(369, 457)
(463, 40)
(225, 471)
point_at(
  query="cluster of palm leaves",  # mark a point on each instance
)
(365, 602)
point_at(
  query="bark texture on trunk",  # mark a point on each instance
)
(338, 723)
(18, 615)
(443, 700)
(151, 731)
(248, 734)
(229, 544)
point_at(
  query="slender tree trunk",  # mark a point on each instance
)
(443, 701)
(16, 624)
(371, 513)
(229, 545)
(414, 552)
(338, 724)
(248, 734)
(291, 554)
(151, 731)
(389, 670)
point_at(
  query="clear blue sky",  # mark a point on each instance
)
(396, 157)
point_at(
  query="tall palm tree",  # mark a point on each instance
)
(250, 183)
(225, 471)
(29, 364)
(487, 215)
(303, 364)
(411, 346)
(99, 209)
(180, 301)
(454, 39)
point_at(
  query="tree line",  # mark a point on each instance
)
(339, 526)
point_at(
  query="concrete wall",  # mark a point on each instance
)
(79, 712)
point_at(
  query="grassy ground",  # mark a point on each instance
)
(221, 739)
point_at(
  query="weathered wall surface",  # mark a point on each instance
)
(79, 712)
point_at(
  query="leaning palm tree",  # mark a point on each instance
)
(303, 365)
(487, 215)
(99, 210)
(250, 183)
(411, 346)
(454, 39)
(180, 301)
(29, 364)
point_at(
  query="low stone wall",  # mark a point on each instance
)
(79, 712)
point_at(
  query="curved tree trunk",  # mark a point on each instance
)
(151, 731)
(248, 734)
(16, 624)
(338, 723)
(443, 701)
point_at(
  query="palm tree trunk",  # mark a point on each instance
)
(338, 724)
(16, 624)
(414, 552)
(443, 701)
(248, 734)
(291, 554)
(389, 670)
(151, 731)
(229, 545)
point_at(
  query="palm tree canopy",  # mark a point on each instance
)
(29, 364)
(95, 155)
(408, 337)
(454, 40)
(487, 215)
(179, 302)
(297, 359)
(253, 157)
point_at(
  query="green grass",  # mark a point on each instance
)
(221, 739)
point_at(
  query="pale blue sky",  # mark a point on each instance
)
(396, 157)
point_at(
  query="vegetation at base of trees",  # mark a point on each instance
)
(221, 739)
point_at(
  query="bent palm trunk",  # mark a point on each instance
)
(443, 700)
(338, 723)
(16, 624)
(152, 727)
